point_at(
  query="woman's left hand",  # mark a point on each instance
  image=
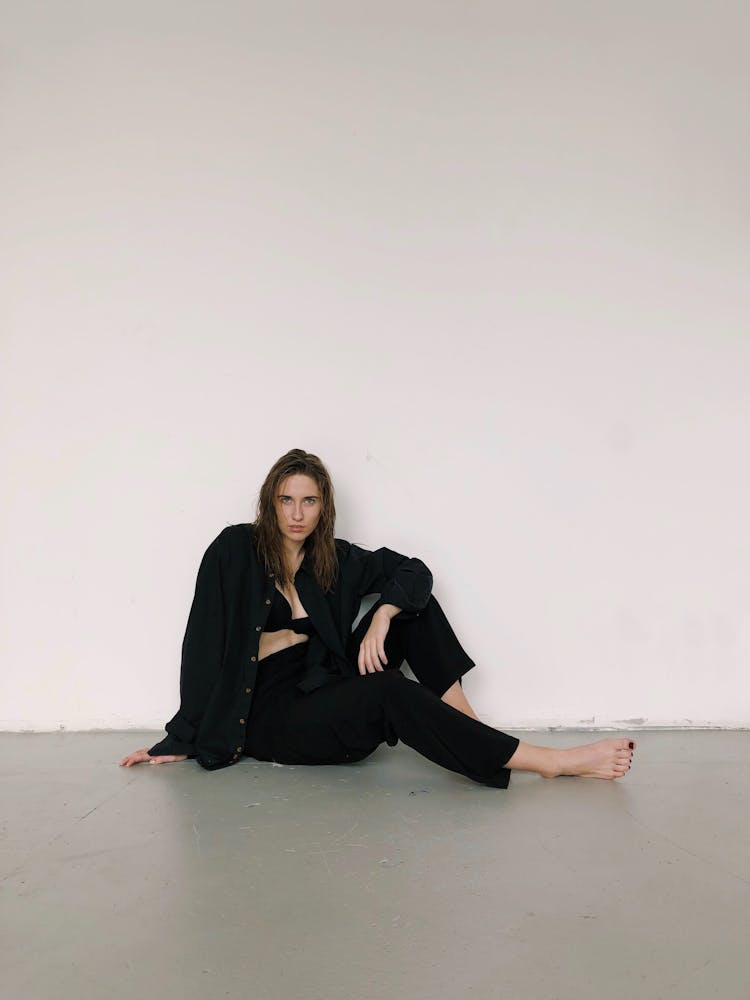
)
(372, 647)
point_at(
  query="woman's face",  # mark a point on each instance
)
(298, 507)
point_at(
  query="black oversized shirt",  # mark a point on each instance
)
(233, 595)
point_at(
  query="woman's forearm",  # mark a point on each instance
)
(388, 611)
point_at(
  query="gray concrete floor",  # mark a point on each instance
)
(390, 878)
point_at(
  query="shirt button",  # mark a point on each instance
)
(253, 659)
(248, 690)
(258, 628)
(268, 602)
(239, 749)
(242, 721)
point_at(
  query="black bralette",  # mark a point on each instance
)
(280, 616)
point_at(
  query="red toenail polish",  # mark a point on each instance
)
(631, 745)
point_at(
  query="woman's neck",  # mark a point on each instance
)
(294, 554)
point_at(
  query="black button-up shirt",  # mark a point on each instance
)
(232, 601)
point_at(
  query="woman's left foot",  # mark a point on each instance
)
(610, 758)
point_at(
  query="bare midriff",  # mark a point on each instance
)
(272, 642)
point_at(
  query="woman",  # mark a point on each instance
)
(271, 668)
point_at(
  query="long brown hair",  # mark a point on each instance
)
(320, 549)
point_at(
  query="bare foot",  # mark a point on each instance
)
(604, 759)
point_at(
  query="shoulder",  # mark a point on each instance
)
(237, 533)
(350, 553)
(342, 546)
(346, 554)
(234, 538)
(346, 550)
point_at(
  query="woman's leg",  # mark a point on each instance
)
(430, 646)
(347, 719)
(456, 698)
(609, 758)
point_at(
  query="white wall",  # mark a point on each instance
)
(488, 260)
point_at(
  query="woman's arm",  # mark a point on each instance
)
(202, 654)
(404, 585)
(403, 582)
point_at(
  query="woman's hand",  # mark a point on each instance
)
(140, 756)
(372, 648)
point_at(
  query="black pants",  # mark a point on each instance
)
(347, 719)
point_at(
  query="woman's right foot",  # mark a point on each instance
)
(610, 758)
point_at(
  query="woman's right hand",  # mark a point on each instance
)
(141, 756)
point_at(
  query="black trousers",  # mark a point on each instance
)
(347, 719)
